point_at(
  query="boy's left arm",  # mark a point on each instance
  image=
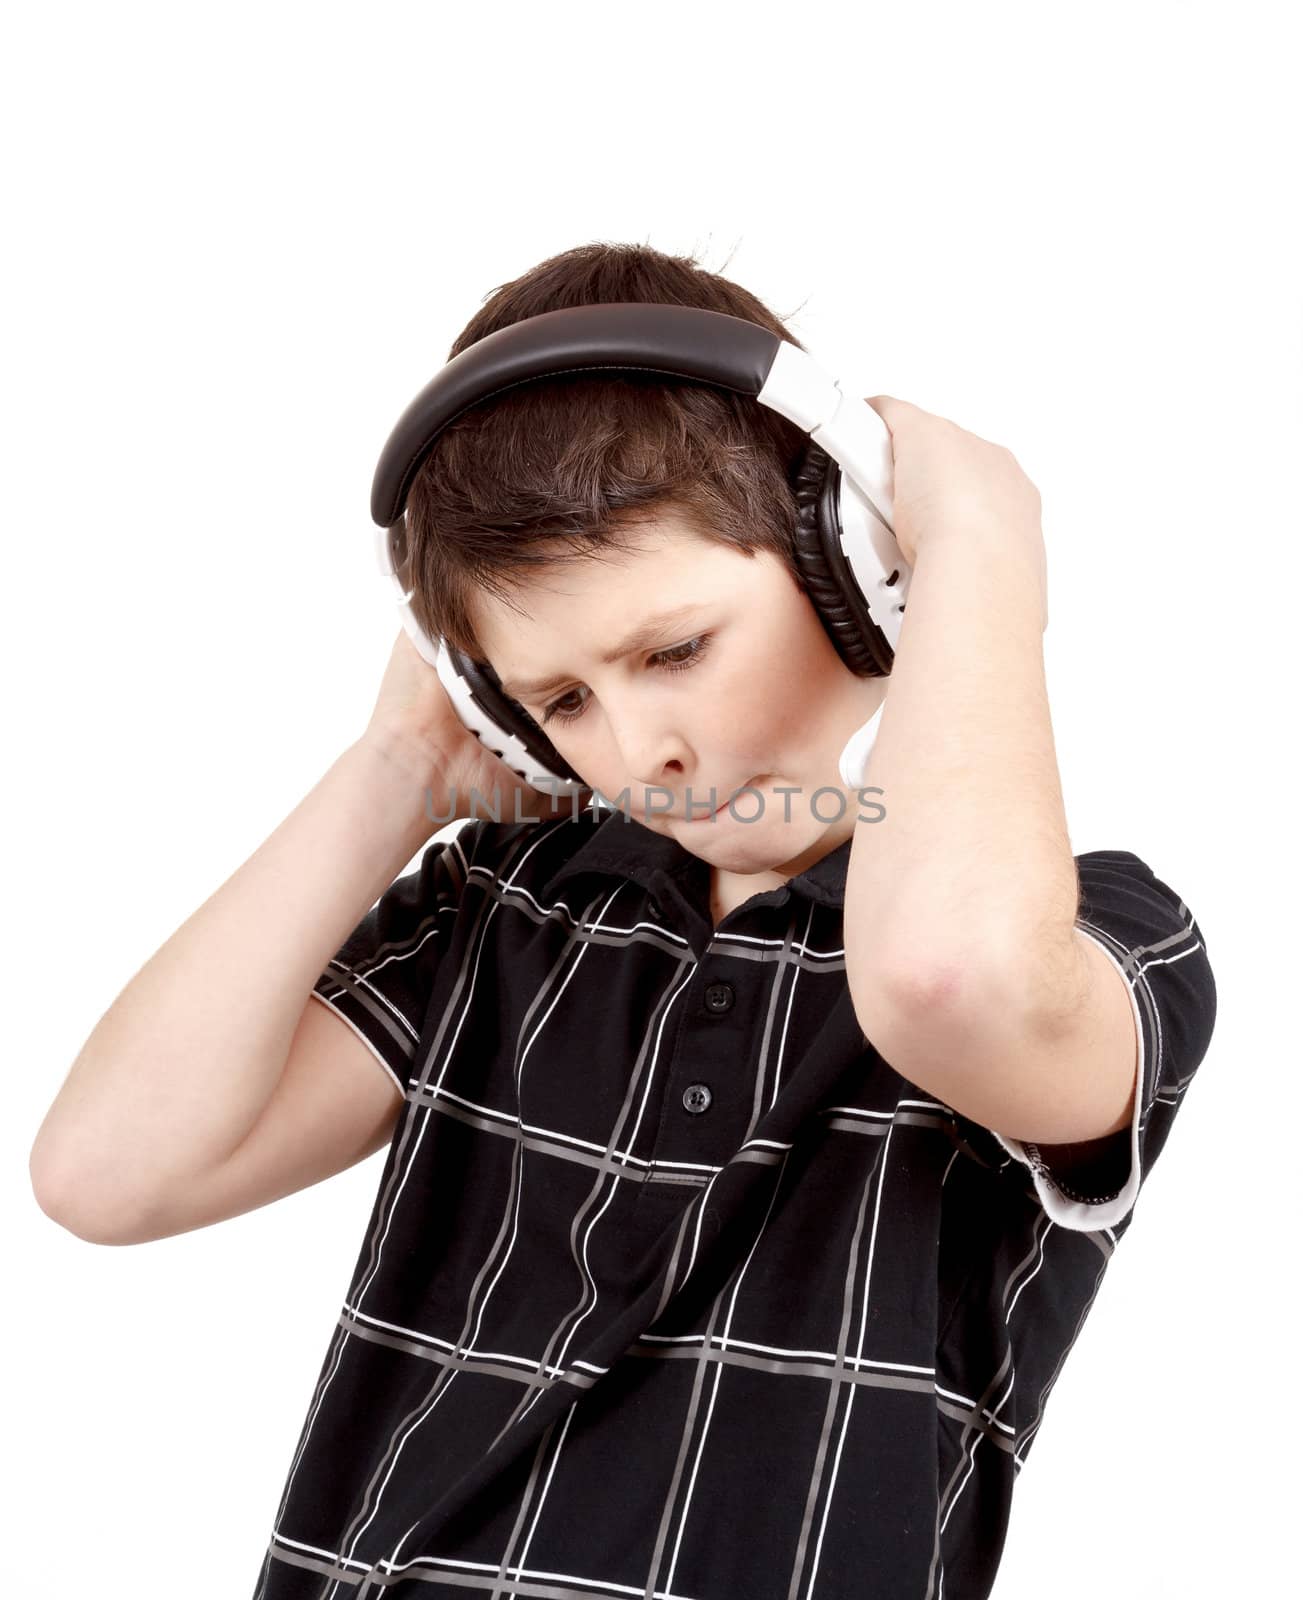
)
(965, 968)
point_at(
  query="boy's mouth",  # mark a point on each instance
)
(722, 809)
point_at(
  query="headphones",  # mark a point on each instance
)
(844, 543)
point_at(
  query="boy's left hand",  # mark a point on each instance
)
(949, 483)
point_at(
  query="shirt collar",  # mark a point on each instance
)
(621, 846)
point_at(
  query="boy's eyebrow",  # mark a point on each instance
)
(644, 634)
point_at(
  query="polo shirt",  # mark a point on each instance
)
(672, 1285)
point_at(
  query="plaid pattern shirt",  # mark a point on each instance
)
(672, 1286)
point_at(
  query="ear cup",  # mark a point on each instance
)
(831, 584)
(486, 690)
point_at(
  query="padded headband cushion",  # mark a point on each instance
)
(612, 338)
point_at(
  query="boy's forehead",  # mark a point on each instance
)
(648, 573)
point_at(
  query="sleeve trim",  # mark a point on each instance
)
(389, 1071)
(1087, 1216)
(354, 990)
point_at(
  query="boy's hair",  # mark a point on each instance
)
(575, 462)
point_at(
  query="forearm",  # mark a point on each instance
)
(182, 1064)
(969, 879)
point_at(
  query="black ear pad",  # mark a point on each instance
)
(827, 576)
(487, 692)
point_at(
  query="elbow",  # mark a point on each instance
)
(927, 991)
(92, 1221)
(893, 1003)
(934, 1026)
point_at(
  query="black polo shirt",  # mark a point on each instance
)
(672, 1286)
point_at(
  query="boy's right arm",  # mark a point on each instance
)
(160, 1126)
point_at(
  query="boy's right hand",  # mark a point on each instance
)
(414, 718)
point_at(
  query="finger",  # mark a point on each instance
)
(895, 411)
(889, 405)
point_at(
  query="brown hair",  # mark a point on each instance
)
(577, 461)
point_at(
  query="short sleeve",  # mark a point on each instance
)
(381, 979)
(1152, 938)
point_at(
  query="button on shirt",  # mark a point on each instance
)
(672, 1285)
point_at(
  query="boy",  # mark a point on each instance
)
(713, 1254)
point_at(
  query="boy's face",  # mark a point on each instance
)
(764, 699)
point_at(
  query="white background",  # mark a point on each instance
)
(242, 237)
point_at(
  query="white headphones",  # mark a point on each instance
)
(847, 551)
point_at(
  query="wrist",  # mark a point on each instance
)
(1012, 555)
(406, 779)
(408, 755)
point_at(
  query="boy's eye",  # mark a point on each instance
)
(671, 660)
